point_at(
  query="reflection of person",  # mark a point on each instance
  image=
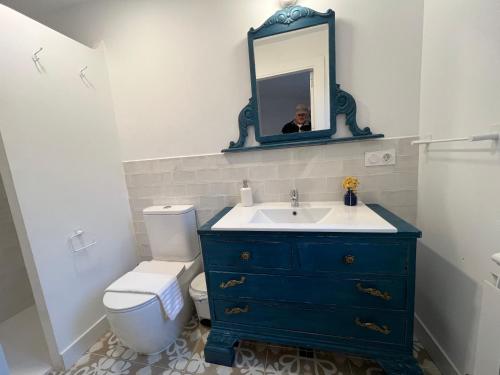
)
(300, 123)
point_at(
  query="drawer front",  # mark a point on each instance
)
(354, 257)
(363, 324)
(364, 292)
(247, 254)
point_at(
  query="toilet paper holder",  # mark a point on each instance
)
(77, 234)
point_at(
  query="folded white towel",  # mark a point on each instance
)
(164, 287)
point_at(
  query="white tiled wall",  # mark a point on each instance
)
(212, 182)
(15, 290)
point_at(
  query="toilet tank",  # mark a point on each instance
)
(172, 232)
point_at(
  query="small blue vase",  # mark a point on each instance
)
(350, 198)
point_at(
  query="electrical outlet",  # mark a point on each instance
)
(385, 157)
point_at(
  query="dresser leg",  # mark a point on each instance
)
(400, 366)
(219, 348)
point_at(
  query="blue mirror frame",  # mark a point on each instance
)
(341, 102)
(283, 21)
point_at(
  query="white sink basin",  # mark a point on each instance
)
(308, 217)
(290, 215)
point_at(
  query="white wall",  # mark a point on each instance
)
(179, 69)
(15, 290)
(458, 204)
(62, 171)
(212, 182)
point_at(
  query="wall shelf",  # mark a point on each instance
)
(309, 142)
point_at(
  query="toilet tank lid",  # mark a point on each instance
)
(168, 209)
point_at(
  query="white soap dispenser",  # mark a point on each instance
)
(246, 195)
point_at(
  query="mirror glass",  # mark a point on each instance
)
(292, 76)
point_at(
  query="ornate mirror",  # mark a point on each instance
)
(295, 99)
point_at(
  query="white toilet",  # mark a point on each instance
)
(138, 319)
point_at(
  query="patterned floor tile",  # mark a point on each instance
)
(92, 364)
(186, 357)
(285, 361)
(362, 366)
(197, 365)
(185, 353)
(250, 357)
(339, 363)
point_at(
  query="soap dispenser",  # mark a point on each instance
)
(246, 195)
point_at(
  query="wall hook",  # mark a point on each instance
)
(82, 71)
(35, 55)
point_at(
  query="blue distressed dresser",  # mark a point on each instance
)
(346, 292)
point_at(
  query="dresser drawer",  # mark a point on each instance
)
(363, 324)
(364, 292)
(247, 254)
(382, 257)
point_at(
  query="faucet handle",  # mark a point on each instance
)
(294, 193)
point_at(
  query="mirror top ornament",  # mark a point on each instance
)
(295, 98)
(287, 16)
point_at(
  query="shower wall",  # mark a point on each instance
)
(15, 289)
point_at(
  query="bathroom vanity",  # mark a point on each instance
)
(340, 288)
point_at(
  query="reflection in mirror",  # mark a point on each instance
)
(284, 102)
(292, 75)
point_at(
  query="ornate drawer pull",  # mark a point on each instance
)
(374, 327)
(245, 255)
(349, 259)
(236, 310)
(231, 283)
(374, 292)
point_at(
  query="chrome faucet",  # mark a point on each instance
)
(294, 198)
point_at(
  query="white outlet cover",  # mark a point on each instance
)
(384, 157)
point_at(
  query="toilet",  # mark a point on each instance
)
(138, 319)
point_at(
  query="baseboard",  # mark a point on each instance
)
(78, 347)
(438, 355)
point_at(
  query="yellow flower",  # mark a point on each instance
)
(351, 183)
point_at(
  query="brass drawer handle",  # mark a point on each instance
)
(349, 259)
(236, 310)
(374, 327)
(374, 292)
(231, 283)
(245, 255)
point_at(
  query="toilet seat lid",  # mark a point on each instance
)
(199, 283)
(117, 301)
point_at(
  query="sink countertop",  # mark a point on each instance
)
(401, 227)
(332, 216)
